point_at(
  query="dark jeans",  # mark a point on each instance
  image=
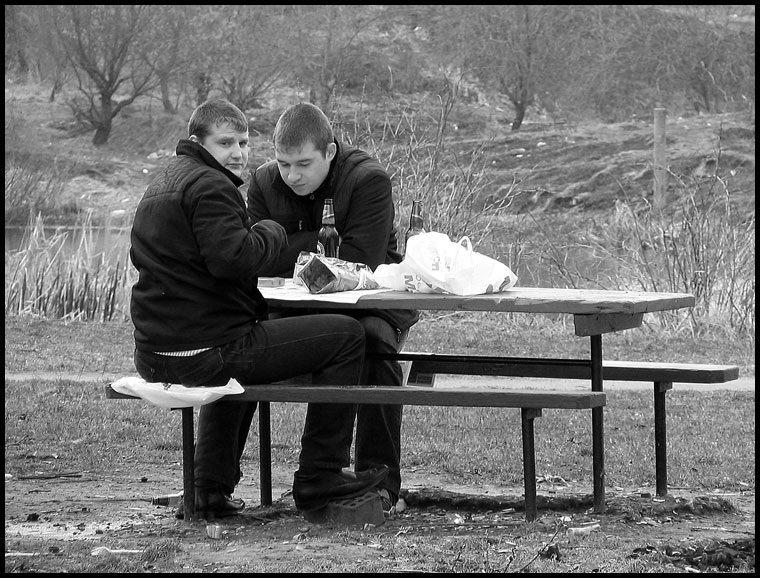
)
(378, 427)
(330, 347)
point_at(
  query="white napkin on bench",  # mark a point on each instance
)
(173, 395)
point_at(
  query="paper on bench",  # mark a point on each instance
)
(175, 395)
(292, 292)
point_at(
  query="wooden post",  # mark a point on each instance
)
(660, 160)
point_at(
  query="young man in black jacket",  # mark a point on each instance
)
(200, 319)
(311, 165)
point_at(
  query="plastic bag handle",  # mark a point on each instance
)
(468, 246)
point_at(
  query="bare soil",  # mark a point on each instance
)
(52, 521)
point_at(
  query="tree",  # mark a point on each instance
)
(16, 59)
(521, 51)
(28, 51)
(105, 46)
(172, 49)
(251, 52)
(326, 39)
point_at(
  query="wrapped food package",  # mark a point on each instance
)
(320, 274)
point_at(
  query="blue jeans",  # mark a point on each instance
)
(329, 346)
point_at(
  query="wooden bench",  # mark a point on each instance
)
(663, 375)
(530, 402)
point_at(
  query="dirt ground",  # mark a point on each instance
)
(49, 521)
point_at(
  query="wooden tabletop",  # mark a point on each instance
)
(518, 299)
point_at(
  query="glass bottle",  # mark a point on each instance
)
(328, 239)
(168, 499)
(416, 222)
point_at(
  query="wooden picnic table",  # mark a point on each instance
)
(595, 312)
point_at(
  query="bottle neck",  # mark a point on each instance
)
(415, 217)
(328, 213)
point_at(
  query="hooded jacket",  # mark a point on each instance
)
(364, 216)
(198, 256)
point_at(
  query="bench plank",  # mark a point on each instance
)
(431, 363)
(531, 404)
(413, 395)
(425, 366)
(437, 396)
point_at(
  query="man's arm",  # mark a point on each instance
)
(230, 249)
(368, 222)
(297, 241)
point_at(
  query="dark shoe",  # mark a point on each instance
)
(313, 491)
(180, 512)
(213, 503)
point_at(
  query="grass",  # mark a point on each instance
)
(56, 425)
(35, 344)
(69, 419)
(67, 410)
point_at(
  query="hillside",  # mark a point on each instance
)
(549, 167)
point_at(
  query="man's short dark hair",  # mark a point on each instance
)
(214, 112)
(301, 123)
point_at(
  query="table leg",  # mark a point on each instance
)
(529, 461)
(660, 436)
(265, 454)
(188, 463)
(597, 424)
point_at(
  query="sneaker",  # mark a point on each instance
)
(388, 502)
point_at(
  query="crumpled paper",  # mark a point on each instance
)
(320, 274)
(173, 395)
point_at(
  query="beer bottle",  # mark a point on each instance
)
(328, 239)
(416, 223)
(168, 499)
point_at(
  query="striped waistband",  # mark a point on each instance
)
(188, 353)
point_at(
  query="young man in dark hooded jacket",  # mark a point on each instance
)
(311, 165)
(200, 319)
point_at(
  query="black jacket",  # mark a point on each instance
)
(364, 216)
(198, 256)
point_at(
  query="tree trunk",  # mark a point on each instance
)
(202, 87)
(165, 98)
(519, 116)
(102, 133)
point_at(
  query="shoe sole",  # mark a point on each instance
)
(211, 516)
(311, 507)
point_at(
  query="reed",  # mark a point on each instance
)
(452, 187)
(46, 279)
(699, 246)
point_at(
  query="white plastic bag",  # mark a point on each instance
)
(174, 396)
(399, 276)
(449, 267)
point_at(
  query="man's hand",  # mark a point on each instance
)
(271, 238)
(273, 231)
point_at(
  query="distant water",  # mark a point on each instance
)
(113, 241)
